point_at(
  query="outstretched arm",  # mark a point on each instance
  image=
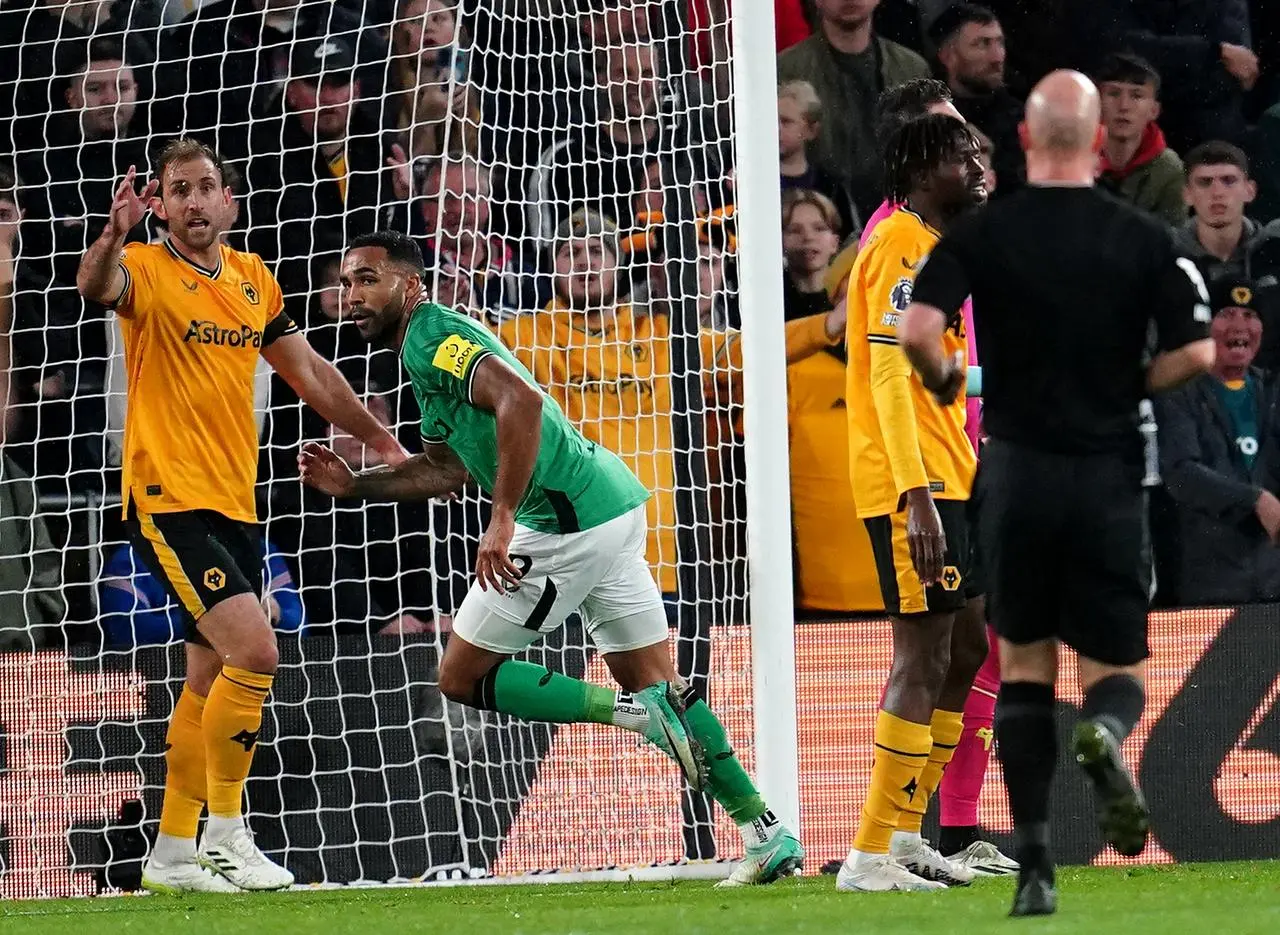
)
(420, 477)
(322, 386)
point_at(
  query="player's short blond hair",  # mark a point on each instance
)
(795, 197)
(187, 149)
(803, 93)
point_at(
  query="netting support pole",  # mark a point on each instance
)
(759, 228)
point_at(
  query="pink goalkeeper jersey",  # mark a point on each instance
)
(973, 418)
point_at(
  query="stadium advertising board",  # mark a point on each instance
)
(364, 775)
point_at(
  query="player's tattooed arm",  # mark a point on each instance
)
(420, 477)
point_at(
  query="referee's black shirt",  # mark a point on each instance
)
(1066, 286)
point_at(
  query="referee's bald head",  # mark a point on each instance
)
(1063, 115)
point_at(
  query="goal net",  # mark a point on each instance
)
(567, 167)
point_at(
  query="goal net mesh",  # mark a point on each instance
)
(566, 166)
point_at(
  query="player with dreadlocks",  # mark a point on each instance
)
(912, 467)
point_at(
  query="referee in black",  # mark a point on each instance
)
(1068, 285)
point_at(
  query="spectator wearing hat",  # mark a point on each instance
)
(1136, 163)
(318, 174)
(1220, 458)
(971, 51)
(225, 66)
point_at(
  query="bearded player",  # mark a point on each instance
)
(912, 467)
(568, 533)
(195, 316)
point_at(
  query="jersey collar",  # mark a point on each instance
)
(923, 223)
(202, 270)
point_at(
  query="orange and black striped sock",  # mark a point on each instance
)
(901, 752)
(945, 729)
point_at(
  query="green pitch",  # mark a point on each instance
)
(1242, 899)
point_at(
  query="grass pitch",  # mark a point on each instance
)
(1197, 899)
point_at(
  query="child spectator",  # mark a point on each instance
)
(799, 123)
(809, 241)
(1136, 164)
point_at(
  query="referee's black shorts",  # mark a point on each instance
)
(1065, 544)
(200, 556)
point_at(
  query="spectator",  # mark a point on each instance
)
(1221, 241)
(54, 31)
(971, 51)
(31, 601)
(136, 610)
(1202, 50)
(450, 222)
(809, 242)
(224, 68)
(1136, 164)
(799, 123)
(61, 342)
(433, 111)
(316, 177)
(848, 66)
(640, 115)
(91, 139)
(1218, 440)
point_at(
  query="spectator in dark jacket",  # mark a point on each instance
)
(971, 51)
(224, 67)
(53, 35)
(1220, 458)
(1202, 50)
(1220, 240)
(317, 175)
(849, 65)
(1136, 163)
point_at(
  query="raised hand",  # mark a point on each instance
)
(401, 172)
(129, 206)
(324, 471)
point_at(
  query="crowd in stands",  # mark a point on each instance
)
(566, 168)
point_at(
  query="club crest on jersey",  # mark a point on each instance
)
(900, 296)
(250, 293)
(453, 355)
(214, 579)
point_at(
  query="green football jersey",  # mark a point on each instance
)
(576, 484)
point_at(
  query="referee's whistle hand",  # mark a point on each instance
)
(925, 538)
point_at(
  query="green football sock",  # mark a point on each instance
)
(534, 693)
(727, 781)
